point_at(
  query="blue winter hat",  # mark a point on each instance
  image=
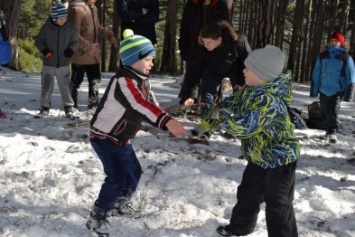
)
(134, 48)
(58, 10)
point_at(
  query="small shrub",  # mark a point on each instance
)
(29, 57)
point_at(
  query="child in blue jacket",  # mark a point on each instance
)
(333, 73)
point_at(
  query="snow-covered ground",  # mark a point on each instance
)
(50, 177)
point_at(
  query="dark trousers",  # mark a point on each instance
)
(123, 172)
(94, 78)
(330, 106)
(209, 86)
(275, 187)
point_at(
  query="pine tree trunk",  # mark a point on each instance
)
(343, 16)
(168, 59)
(332, 15)
(297, 26)
(266, 23)
(352, 37)
(280, 25)
(305, 67)
(116, 28)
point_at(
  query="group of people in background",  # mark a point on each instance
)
(256, 111)
(75, 42)
(82, 49)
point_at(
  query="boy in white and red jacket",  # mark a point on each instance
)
(124, 106)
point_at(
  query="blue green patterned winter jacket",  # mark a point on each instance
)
(258, 117)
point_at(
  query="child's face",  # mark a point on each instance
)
(207, 2)
(61, 21)
(334, 42)
(144, 65)
(210, 44)
(251, 79)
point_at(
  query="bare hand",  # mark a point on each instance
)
(145, 11)
(95, 50)
(175, 127)
(114, 42)
(189, 101)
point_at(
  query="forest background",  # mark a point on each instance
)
(300, 28)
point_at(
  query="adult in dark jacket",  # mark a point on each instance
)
(139, 16)
(220, 54)
(195, 15)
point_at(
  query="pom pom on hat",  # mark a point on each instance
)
(58, 10)
(338, 36)
(134, 48)
(267, 63)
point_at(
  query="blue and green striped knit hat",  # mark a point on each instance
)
(134, 48)
(58, 10)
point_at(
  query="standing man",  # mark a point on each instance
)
(195, 15)
(139, 16)
(83, 15)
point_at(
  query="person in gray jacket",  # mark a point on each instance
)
(57, 41)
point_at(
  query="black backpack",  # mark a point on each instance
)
(315, 118)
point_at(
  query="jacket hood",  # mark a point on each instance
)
(281, 87)
(333, 49)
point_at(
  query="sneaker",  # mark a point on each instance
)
(332, 138)
(43, 112)
(92, 106)
(224, 230)
(126, 211)
(70, 112)
(97, 222)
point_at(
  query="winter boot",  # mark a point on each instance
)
(70, 112)
(123, 207)
(98, 223)
(43, 112)
(332, 138)
(225, 231)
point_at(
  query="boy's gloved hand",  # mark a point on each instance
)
(68, 52)
(215, 113)
(47, 53)
(202, 130)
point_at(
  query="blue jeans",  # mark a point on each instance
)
(123, 172)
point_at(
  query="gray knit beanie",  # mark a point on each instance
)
(267, 63)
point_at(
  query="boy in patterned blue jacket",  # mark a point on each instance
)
(332, 75)
(257, 115)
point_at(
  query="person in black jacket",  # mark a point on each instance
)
(196, 14)
(221, 54)
(139, 16)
